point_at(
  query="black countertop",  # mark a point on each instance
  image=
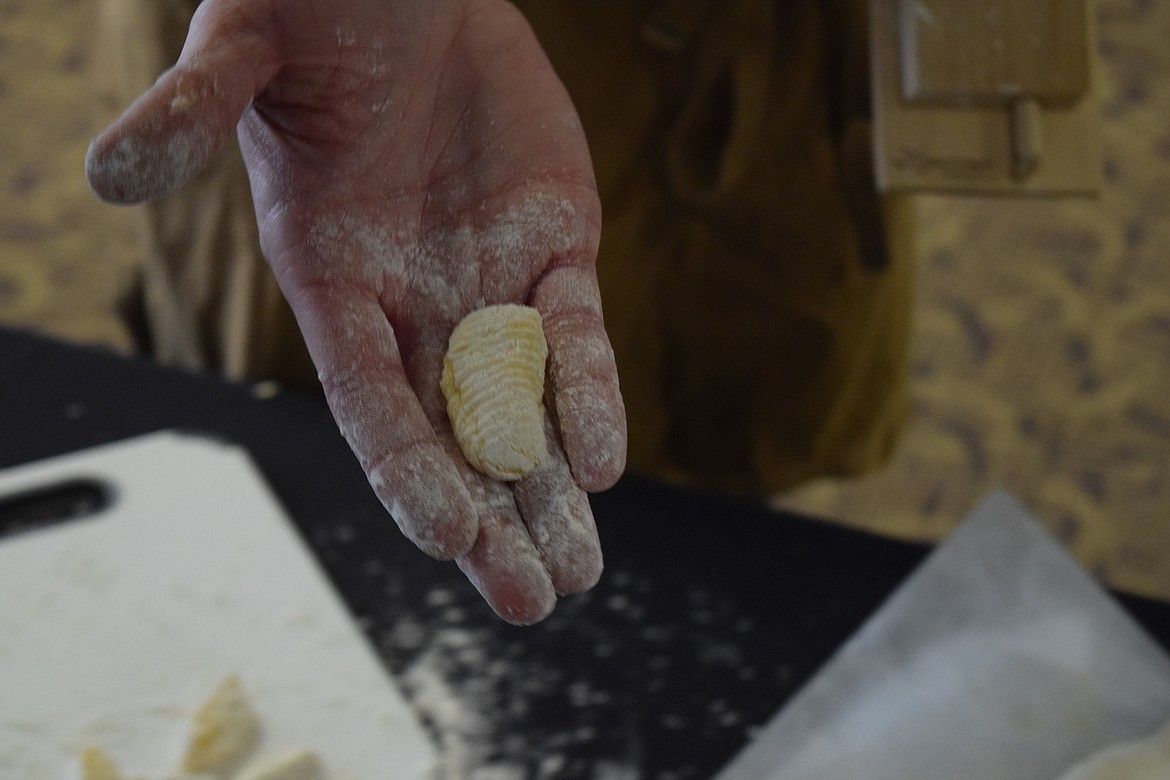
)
(711, 614)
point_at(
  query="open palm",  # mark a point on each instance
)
(411, 161)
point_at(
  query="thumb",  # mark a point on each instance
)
(173, 129)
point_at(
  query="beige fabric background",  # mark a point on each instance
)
(1042, 335)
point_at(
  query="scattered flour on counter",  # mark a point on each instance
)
(457, 711)
(498, 773)
(479, 699)
(606, 770)
(501, 705)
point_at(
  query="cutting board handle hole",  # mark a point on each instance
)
(47, 505)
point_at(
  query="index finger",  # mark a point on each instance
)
(355, 350)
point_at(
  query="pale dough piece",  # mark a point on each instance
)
(294, 765)
(225, 728)
(493, 379)
(96, 764)
(1143, 759)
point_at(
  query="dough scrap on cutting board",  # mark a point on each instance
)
(97, 764)
(225, 728)
(1142, 759)
(493, 380)
(293, 765)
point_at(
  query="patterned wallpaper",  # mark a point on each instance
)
(1042, 344)
(64, 257)
(1042, 337)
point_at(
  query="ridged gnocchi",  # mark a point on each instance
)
(225, 729)
(96, 764)
(493, 380)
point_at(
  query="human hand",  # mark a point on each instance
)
(410, 161)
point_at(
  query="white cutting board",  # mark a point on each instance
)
(113, 629)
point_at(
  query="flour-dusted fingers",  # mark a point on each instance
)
(356, 353)
(504, 565)
(171, 132)
(589, 408)
(560, 521)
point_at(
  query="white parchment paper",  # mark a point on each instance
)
(999, 658)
